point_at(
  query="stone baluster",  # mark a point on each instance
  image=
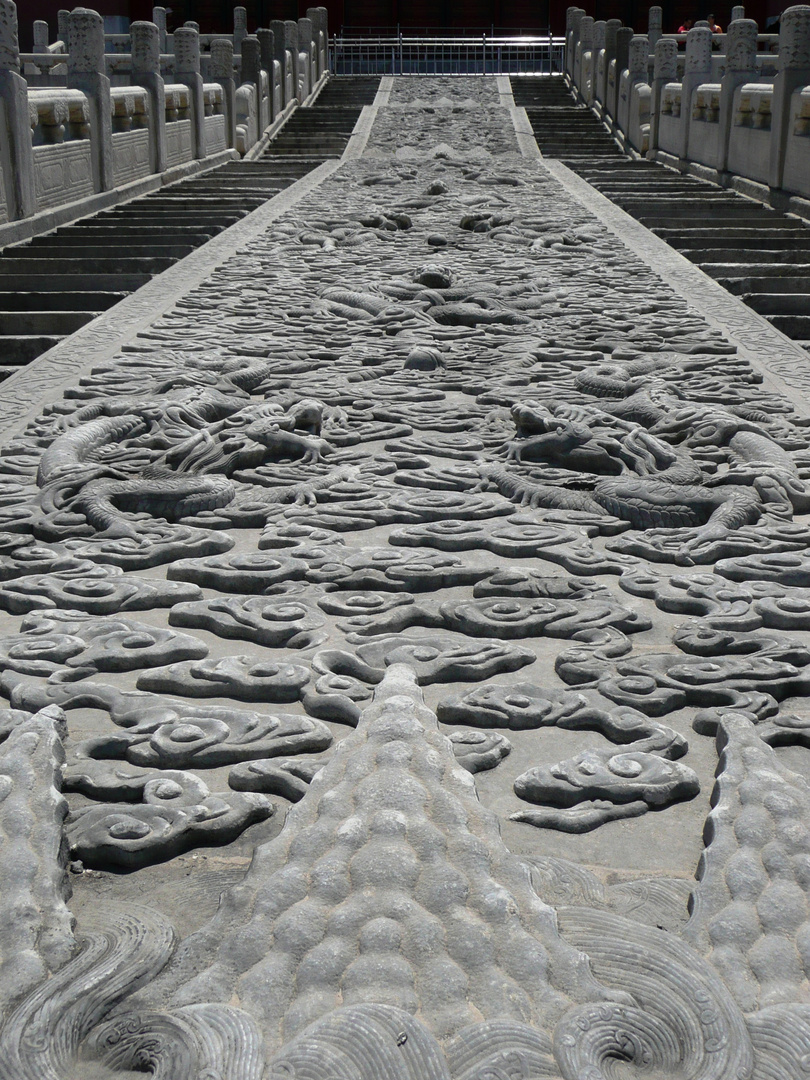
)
(741, 67)
(159, 19)
(737, 12)
(573, 17)
(239, 28)
(252, 75)
(320, 23)
(191, 25)
(63, 26)
(583, 69)
(697, 70)
(655, 26)
(612, 27)
(291, 45)
(16, 154)
(665, 70)
(222, 73)
(187, 72)
(305, 70)
(145, 38)
(638, 63)
(267, 46)
(40, 36)
(86, 72)
(623, 38)
(598, 41)
(794, 73)
(280, 56)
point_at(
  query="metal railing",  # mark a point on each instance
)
(446, 55)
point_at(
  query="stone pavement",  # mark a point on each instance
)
(404, 608)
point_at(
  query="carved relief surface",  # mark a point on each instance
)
(404, 649)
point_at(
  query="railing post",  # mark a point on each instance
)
(239, 28)
(655, 26)
(222, 73)
(252, 74)
(267, 46)
(86, 72)
(280, 55)
(623, 38)
(612, 27)
(794, 72)
(159, 19)
(63, 26)
(291, 45)
(40, 36)
(145, 39)
(573, 17)
(697, 69)
(305, 50)
(320, 22)
(741, 67)
(737, 12)
(187, 72)
(16, 154)
(665, 70)
(585, 47)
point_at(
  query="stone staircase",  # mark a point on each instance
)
(757, 253)
(54, 284)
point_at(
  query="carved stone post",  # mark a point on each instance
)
(145, 38)
(583, 61)
(291, 45)
(741, 67)
(794, 72)
(320, 24)
(267, 45)
(305, 65)
(86, 72)
(239, 28)
(63, 26)
(612, 27)
(737, 12)
(280, 55)
(222, 73)
(623, 38)
(252, 75)
(573, 17)
(16, 155)
(664, 71)
(187, 71)
(697, 70)
(159, 19)
(40, 36)
(655, 26)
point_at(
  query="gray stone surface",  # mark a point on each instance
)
(424, 575)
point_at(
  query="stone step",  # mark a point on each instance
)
(775, 303)
(21, 349)
(762, 256)
(59, 301)
(85, 252)
(82, 267)
(759, 271)
(784, 285)
(42, 322)
(794, 326)
(112, 236)
(33, 282)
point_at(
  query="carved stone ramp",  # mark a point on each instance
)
(756, 252)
